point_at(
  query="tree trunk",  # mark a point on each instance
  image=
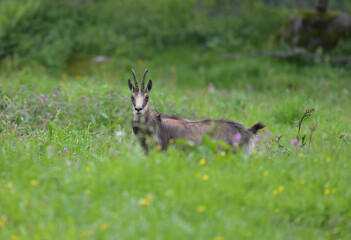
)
(321, 6)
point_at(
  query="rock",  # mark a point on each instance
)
(310, 30)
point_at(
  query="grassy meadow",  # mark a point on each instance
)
(71, 168)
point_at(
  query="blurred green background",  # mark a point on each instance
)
(54, 34)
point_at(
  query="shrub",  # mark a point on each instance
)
(38, 31)
(49, 32)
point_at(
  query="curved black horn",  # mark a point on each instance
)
(143, 81)
(136, 81)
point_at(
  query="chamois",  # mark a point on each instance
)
(164, 128)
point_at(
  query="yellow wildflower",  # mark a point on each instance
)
(33, 182)
(300, 154)
(202, 161)
(87, 192)
(219, 238)
(281, 188)
(205, 177)
(14, 237)
(171, 140)
(265, 173)
(328, 159)
(9, 185)
(87, 168)
(145, 201)
(3, 221)
(334, 190)
(302, 181)
(275, 192)
(201, 208)
(158, 147)
(326, 191)
(104, 227)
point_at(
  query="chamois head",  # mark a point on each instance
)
(140, 97)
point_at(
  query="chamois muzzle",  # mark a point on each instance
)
(138, 110)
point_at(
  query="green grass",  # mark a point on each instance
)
(105, 187)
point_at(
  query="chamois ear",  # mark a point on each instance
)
(149, 86)
(130, 85)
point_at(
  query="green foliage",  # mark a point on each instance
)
(49, 32)
(38, 31)
(343, 48)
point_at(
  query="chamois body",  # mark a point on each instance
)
(163, 128)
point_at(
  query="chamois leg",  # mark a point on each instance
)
(164, 145)
(144, 145)
(164, 141)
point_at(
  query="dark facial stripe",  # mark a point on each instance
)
(133, 100)
(146, 100)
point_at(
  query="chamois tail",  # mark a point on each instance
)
(254, 129)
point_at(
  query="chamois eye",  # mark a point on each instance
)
(147, 98)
